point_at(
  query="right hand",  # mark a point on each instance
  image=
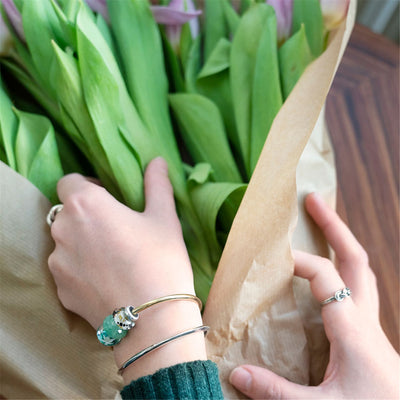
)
(363, 364)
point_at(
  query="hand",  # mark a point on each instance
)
(108, 256)
(362, 364)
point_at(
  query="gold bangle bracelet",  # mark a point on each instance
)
(115, 326)
(171, 297)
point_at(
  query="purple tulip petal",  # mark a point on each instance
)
(187, 6)
(177, 5)
(99, 6)
(168, 16)
(14, 17)
(284, 11)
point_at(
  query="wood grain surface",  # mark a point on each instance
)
(363, 120)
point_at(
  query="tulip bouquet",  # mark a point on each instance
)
(228, 92)
(103, 87)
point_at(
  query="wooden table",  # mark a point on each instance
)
(363, 119)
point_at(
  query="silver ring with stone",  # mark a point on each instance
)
(339, 295)
(51, 216)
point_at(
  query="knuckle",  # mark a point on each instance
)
(327, 264)
(359, 256)
(84, 200)
(61, 182)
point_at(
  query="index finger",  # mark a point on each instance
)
(347, 248)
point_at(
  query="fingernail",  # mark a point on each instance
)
(161, 162)
(241, 379)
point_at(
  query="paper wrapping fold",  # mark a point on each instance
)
(47, 352)
(251, 308)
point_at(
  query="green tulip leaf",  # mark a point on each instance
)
(41, 26)
(294, 56)
(106, 32)
(172, 67)
(8, 128)
(193, 66)
(97, 65)
(213, 30)
(37, 153)
(199, 174)
(214, 83)
(219, 59)
(185, 43)
(254, 81)
(208, 199)
(266, 98)
(139, 44)
(231, 17)
(309, 13)
(204, 134)
(67, 27)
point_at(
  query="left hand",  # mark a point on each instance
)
(363, 363)
(108, 256)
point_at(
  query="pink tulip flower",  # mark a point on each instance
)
(173, 16)
(283, 10)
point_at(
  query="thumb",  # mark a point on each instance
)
(158, 190)
(260, 383)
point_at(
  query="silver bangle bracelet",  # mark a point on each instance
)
(202, 328)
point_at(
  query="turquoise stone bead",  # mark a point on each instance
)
(110, 333)
(113, 329)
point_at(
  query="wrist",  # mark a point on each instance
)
(158, 323)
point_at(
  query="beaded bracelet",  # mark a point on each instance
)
(116, 325)
(127, 363)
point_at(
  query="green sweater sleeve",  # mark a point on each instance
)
(192, 380)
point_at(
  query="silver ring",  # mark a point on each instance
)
(339, 295)
(51, 216)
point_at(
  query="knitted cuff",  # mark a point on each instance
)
(191, 380)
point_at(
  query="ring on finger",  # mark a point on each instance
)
(339, 295)
(51, 216)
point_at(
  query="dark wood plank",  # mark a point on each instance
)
(363, 119)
